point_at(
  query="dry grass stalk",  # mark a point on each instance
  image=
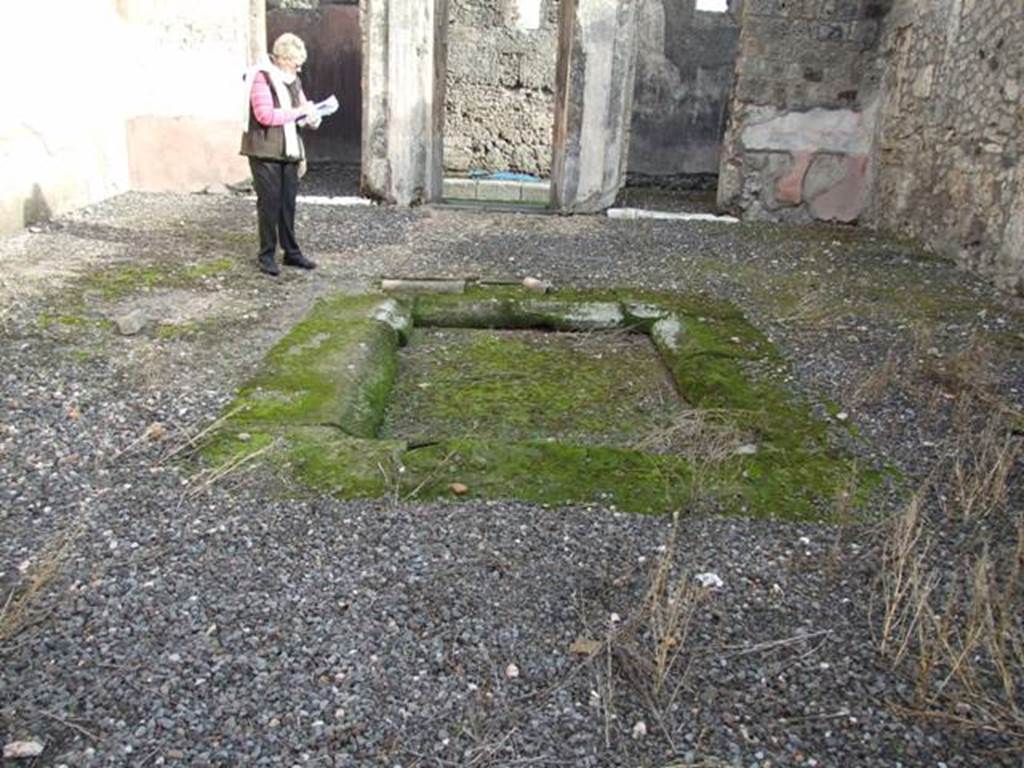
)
(667, 614)
(703, 436)
(20, 605)
(871, 389)
(981, 469)
(210, 477)
(905, 582)
(812, 308)
(651, 650)
(961, 623)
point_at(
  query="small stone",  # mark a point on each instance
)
(459, 489)
(512, 671)
(132, 323)
(709, 580)
(639, 730)
(746, 450)
(536, 285)
(583, 646)
(155, 431)
(18, 750)
(73, 414)
(842, 416)
(244, 437)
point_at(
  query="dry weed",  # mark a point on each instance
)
(811, 309)
(20, 608)
(958, 621)
(651, 649)
(980, 472)
(873, 387)
(701, 436)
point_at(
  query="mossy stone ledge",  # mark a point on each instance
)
(320, 407)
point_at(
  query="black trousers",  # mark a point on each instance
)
(276, 185)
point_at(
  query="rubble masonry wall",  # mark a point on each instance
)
(951, 139)
(804, 110)
(500, 85)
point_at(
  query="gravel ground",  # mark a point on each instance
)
(157, 618)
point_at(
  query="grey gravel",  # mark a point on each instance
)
(237, 624)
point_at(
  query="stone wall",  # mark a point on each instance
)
(122, 94)
(52, 163)
(500, 85)
(804, 110)
(950, 147)
(685, 62)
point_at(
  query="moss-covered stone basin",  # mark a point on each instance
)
(643, 402)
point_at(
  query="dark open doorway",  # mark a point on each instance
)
(334, 43)
(685, 69)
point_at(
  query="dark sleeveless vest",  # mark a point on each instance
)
(267, 142)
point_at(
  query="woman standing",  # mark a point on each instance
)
(271, 141)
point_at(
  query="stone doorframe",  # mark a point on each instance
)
(404, 63)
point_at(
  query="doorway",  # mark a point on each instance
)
(685, 70)
(331, 32)
(499, 108)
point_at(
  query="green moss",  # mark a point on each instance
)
(47, 320)
(336, 367)
(177, 330)
(120, 280)
(1012, 341)
(345, 466)
(512, 386)
(549, 473)
(207, 269)
(487, 405)
(232, 445)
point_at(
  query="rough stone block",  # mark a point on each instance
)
(471, 64)
(536, 192)
(508, 69)
(840, 9)
(459, 189)
(499, 191)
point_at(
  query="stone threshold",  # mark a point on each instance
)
(497, 191)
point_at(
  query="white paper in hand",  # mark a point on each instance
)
(324, 108)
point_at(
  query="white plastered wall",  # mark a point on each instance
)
(62, 130)
(110, 95)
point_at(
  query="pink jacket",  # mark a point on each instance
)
(263, 104)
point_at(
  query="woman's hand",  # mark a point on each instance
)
(310, 113)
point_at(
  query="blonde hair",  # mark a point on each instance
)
(289, 47)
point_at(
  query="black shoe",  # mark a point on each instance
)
(299, 261)
(268, 266)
